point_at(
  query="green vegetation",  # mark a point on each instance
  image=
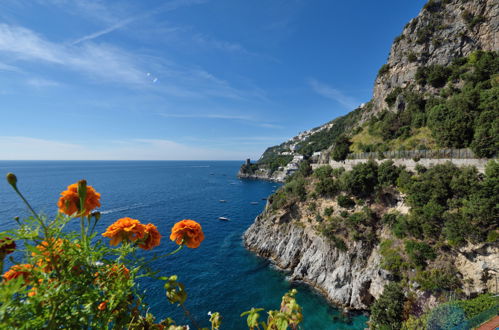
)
(464, 115)
(387, 311)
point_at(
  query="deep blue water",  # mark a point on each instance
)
(220, 275)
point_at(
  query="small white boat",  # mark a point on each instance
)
(222, 201)
(223, 218)
(254, 203)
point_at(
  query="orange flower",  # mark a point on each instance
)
(125, 229)
(49, 253)
(187, 232)
(152, 239)
(15, 271)
(102, 306)
(69, 203)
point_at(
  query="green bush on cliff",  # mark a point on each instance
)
(362, 179)
(419, 253)
(387, 311)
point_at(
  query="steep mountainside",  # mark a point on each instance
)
(439, 89)
(395, 241)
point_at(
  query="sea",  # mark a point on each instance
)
(219, 276)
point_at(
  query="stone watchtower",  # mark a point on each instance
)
(248, 161)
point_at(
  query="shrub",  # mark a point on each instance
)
(362, 180)
(388, 173)
(323, 172)
(327, 187)
(419, 253)
(438, 279)
(305, 169)
(392, 96)
(476, 306)
(446, 316)
(328, 211)
(345, 201)
(383, 70)
(387, 311)
(412, 57)
(341, 148)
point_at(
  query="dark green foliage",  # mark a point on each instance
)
(341, 148)
(323, 172)
(412, 57)
(345, 201)
(388, 173)
(419, 253)
(328, 211)
(305, 169)
(438, 279)
(387, 311)
(392, 96)
(486, 136)
(435, 5)
(475, 306)
(325, 138)
(383, 70)
(464, 116)
(472, 21)
(389, 219)
(435, 75)
(392, 260)
(344, 214)
(326, 186)
(446, 316)
(291, 192)
(362, 180)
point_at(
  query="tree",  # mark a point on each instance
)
(387, 311)
(341, 148)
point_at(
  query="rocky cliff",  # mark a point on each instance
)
(351, 278)
(444, 30)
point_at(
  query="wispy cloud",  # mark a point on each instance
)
(104, 31)
(29, 148)
(209, 116)
(333, 94)
(107, 63)
(40, 82)
(104, 13)
(102, 61)
(249, 119)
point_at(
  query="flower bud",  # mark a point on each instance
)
(7, 246)
(96, 215)
(12, 179)
(82, 189)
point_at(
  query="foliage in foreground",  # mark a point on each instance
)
(68, 279)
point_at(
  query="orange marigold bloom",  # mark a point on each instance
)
(187, 232)
(49, 253)
(102, 306)
(125, 229)
(152, 239)
(15, 271)
(69, 203)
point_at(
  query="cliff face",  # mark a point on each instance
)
(349, 278)
(443, 31)
(262, 174)
(352, 277)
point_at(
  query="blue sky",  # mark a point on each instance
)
(183, 79)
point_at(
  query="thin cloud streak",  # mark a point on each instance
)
(105, 63)
(28, 148)
(333, 94)
(249, 119)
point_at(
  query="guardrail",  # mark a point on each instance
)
(434, 154)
